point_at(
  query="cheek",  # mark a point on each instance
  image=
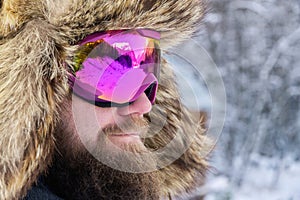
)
(85, 123)
(88, 120)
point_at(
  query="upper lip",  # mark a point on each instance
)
(125, 134)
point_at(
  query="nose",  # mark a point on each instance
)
(139, 107)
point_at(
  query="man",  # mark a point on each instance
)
(78, 83)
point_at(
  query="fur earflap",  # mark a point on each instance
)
(37, 41)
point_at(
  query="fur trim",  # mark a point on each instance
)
(36, 38)
(176, 20)
(31, 87)
(180, 125)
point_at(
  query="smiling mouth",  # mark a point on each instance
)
(125, 134)
(125, 138)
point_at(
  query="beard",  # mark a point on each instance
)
(77, 173)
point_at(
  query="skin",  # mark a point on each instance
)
(77, 173)
(86, 120)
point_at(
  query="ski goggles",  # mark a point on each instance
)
(113, 68)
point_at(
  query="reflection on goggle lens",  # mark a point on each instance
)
(114, 68)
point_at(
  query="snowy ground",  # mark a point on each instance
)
(266, 178)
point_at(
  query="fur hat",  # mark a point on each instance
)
(38, 38)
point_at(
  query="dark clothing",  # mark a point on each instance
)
(40, 191)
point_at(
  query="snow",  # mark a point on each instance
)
(259, 183)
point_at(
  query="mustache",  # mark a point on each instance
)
(130, 125)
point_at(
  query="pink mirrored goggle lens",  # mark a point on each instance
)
(114, 68)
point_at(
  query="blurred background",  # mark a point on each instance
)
(256, 46)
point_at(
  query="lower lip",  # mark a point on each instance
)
(125, 139)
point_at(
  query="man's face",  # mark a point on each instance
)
(91, 140)
(119, 126)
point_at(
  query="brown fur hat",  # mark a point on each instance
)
(37, 38)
